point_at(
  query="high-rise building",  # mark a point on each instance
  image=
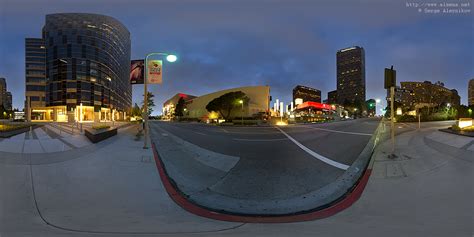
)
(332, 97)
(427, 94)
(307, 94)
(470, 93)
(350, 75)
(35, 77)
(5, 96)
(7, 103)
(79, 69)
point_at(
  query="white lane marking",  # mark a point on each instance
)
(337, 131)
(260, 140)
(200, 133)
(164, 134)
(314, 154)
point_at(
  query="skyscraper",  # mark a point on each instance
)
(332, 97)
(470, 93)
(86, 60)
(35, 77)
(350, 75)
(5, 96)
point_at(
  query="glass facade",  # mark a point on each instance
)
(87, 63)
(350, 75)
(307, 94)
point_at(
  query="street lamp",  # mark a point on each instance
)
(242, 103)
(170, 58)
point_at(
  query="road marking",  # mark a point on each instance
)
(337, 131)
(260, 140)
(164, 134)
(314, 154)
(200, 133)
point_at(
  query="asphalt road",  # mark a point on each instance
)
(277, 162)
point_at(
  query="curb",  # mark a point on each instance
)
(342, 204)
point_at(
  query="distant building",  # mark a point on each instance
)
(421, 94)
(170, 104)
(5, 96)
(7, 103)
(79, 70)
(35, 77)
(470, 93)
(350, 75)
(259, 99)
(307, 94)
(332, 97)
(398, 94)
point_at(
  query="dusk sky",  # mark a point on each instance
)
(224, 44)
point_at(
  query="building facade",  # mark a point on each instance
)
(426, 94)
(35, 78)
(259, 99)
(306, 94)
(170, 104)
(350, 75)
(5, 96)
(85, 60)
(332, 97)
(470, 93)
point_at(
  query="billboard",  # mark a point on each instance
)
(137, 72)
(154, 71)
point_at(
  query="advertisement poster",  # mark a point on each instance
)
(154, 71)
(137, 72)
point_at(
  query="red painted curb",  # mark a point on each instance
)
(179, 199)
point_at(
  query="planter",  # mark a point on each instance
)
(11, 133)
(462, 133)
(100, 135)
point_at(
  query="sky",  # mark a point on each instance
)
(281, 43)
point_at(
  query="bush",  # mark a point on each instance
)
(100, 126)
(406, 118)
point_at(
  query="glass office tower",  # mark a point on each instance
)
(87, 63)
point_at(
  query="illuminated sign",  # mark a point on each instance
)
(315, 105)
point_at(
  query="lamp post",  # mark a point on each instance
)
(242, 114)
(170, 58)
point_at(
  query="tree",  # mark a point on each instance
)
(226, 103)
(178, 111)
(151, 103)
(136, 111)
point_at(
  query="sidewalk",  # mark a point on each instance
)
(114, 190)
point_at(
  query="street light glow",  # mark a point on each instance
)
(171, 58)
(378, 101)
(241, 101)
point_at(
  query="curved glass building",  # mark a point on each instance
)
(87, 63)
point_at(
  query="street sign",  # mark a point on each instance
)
(154, 70)
(390, 78)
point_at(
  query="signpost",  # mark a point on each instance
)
(390, 82)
